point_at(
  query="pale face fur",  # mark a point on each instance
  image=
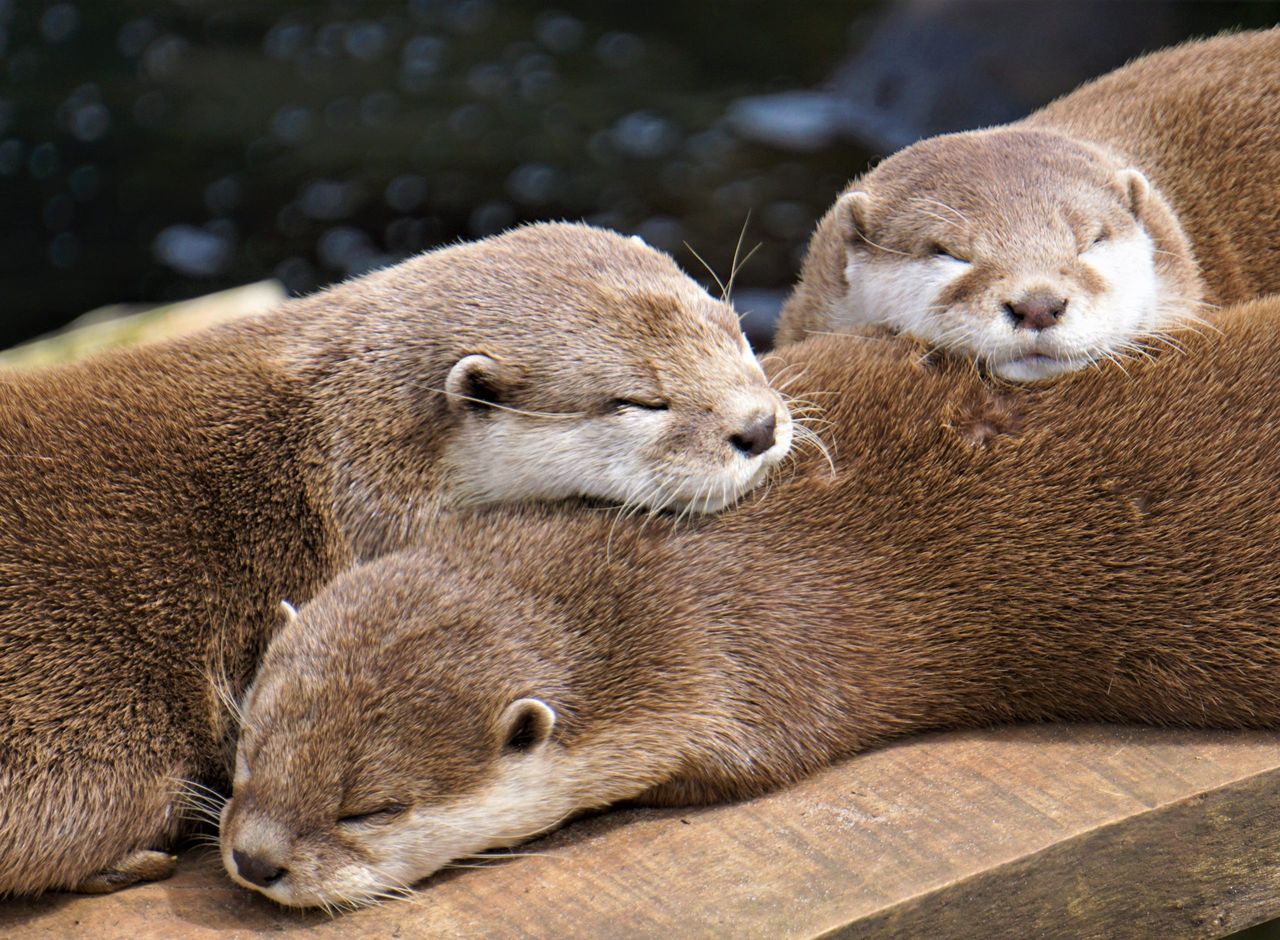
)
(949, 240)
(345, 859)
(660, 433)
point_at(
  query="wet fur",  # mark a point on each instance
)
(1105, 548)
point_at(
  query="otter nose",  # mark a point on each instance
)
(757, 437)
(1036, 313)
(257, 870)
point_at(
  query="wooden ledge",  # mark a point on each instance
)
(1082, 831)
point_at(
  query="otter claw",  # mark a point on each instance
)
(143, 865)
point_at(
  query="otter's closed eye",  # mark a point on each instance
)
(618, 404)
(374, 817)
(938, 251)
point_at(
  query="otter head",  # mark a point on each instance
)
(624, 381)
(384, 738)
(551, 362)
(1026, 250)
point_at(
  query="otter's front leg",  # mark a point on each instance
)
(142, 865)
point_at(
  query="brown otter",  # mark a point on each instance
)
(1112, 557)
(158, 503)
(1103, 220)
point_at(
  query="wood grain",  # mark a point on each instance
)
(1084, 831)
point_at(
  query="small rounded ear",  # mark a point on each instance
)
(474, 382)
(1135, 187)
(526, 725)
(852, 211)
(290, 612)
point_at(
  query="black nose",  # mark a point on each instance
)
(256, 870)
(1036, 313)
(757, 438)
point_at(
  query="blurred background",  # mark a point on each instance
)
(155, 151)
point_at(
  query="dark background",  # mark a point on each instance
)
(153, 151)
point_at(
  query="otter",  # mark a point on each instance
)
(1096, 549)
(1089, 231)
(159, 502)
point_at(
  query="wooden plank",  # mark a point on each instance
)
(1085, 831)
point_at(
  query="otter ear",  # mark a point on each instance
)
(290, 612)
(526, 725)
(1136, 188)
(852, 211)
(474, 382)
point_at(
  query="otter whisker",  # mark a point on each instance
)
(781, 387)
(629, 508)
(804, 436)
(938, 202)
(787, 367)
(871, 337)
(569, 415)
(933, 215)
(221, 685)
(710, 270)
(735, 266)
(892, 251)
(749, 255)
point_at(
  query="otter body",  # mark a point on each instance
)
(1094, 550)
(159, 503)
(1098, 224)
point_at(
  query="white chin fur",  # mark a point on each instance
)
(1034, 368)
(902, 294)
(603, 458)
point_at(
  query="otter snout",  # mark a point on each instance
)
(757, 437)
(257, 870)
(1036, 312)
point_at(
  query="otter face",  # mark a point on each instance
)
(668, 409)
(1023, 251)
(370, 757)
(365, 840)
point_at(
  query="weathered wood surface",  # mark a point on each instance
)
(1041, 831)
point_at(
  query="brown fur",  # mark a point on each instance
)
(1111, 554)
(1199, 120)
(159, 503)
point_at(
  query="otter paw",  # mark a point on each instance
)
(143, 865)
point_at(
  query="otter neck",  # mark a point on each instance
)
(381, 421)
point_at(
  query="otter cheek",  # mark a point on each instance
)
(903, 294)
(1130, 287)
